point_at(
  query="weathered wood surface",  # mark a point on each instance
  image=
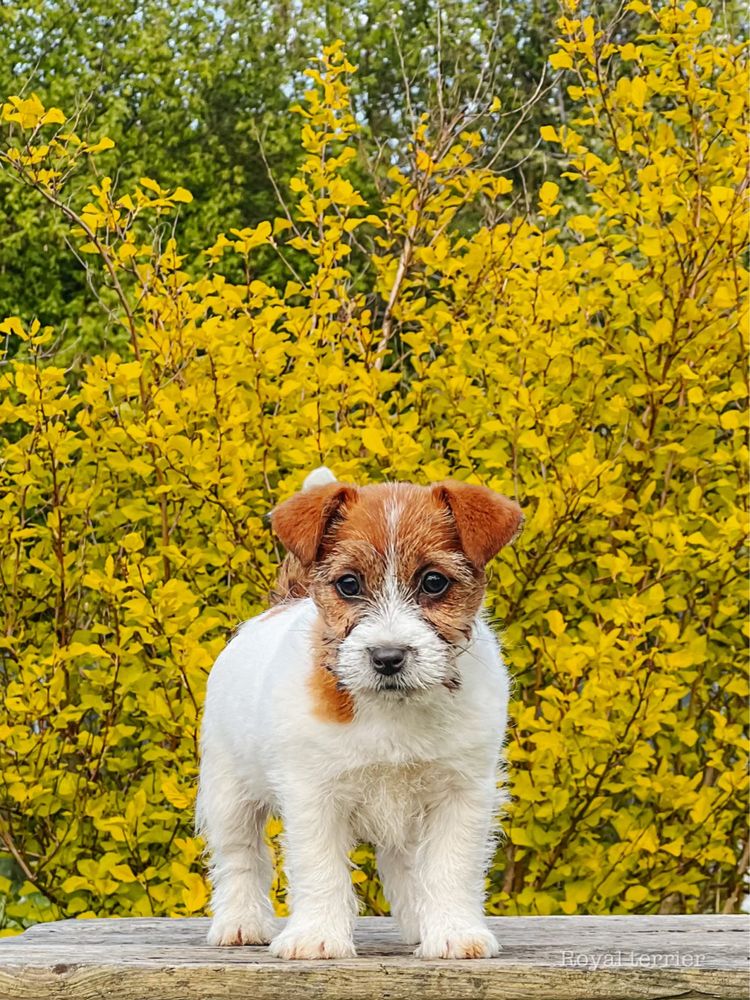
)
(542, 958)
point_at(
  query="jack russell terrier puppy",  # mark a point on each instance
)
(369, 703)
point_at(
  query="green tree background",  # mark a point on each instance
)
(197, 94)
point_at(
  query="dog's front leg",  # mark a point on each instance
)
(451, 861)
(316, 844)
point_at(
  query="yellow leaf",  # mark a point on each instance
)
(195, 893)
(342, 192)
(661, 330)
(638, 91)
(151, 185)
(424, 162)
(53, 116)
(13, 325)
(273, 827)
(372, 439)
(637, 894)
(648, 840)
(556, 622)
(582, 224)
(174, 794)
(560, 60)
(122, 873)
(104, 143)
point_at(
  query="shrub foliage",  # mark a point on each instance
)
(587, 360)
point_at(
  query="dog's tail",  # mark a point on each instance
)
(319, 477)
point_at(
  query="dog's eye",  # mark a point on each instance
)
(348, 585)
(434, 583)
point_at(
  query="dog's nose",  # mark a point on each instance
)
(388, 660)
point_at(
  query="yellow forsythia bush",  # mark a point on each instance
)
(587, 360)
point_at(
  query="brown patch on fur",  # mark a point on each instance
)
(301, 521)
(486, 521)
(476, 949)
(292, 582)
(331, 703)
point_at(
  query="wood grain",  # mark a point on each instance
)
(542, 958)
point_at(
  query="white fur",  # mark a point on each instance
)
(416, 774)
(319, 477)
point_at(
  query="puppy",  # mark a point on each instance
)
(368, 704)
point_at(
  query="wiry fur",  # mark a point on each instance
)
(299, 724)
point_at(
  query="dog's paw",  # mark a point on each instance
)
(472, 942)
(225, 932)
(409, 934)
(409, 930)
(307, 943)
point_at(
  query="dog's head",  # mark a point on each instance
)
(397, 572)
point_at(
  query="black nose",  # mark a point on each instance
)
(387, 660)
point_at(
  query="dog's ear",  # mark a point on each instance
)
(485, 520)
(300, 522)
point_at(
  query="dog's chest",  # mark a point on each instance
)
(388, 802)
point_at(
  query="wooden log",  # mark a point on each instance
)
(542, 958)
